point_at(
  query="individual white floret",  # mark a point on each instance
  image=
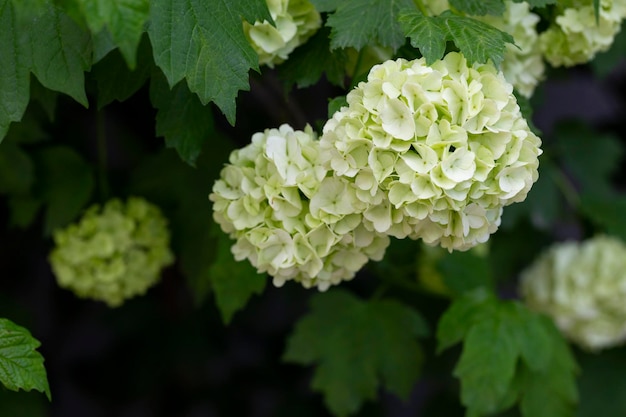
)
(113, 253)
(434, 151)
(289, 216)
(295, 22)
(575, 37)
(582, 287)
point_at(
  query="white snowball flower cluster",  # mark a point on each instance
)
(582, 287)
(113, 253)
(575, 37)
(296, 21)
(289, 218)
(435, 151)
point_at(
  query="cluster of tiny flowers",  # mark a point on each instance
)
(295, 22)
(523, 64)
(582, 287)
(435, 152)
(576, 37)
(113, 253)
(288, 216)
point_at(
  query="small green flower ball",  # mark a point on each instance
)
(289, 216)
(582, 287)
(296, 21)
(575, 37)
(114, 252)
(435, 151)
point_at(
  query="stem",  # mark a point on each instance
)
(566, 187)
(421, 7)
(103, 184)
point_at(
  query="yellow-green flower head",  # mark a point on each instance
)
(296, 21)
(575, 37)
(434, 151)
(582, 287)
(113, 253)
(289, 216)
(523, 62)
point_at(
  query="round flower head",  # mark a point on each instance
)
(435, 151)
(289, 218)
(575, 37)
(114, 252)
(582, 287)
(295, 22)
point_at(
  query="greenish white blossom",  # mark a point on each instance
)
(582, 287)
(295, 22)
(435, 152)
(575, 37)
(114, 252)
(289, 216)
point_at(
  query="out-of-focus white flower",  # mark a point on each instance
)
(113, 253)
(288, 217)
(523, 64)
(435, 152)
(582, 287)
(295, 22)
(575, 37)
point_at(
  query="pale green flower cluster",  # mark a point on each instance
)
(523, 64)
(295, 22)
(113, 253)
(288, 216)
(582, 287)
(575, 37)
(435, 152)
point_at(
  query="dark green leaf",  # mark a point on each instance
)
(14, 71)
(233, 282)
(602, 384)
(606, 212)
(22, 404)
(203, 42)
(21, 366)
(23, 211)
(357, 23)
(181, 119)
(116, 81)
(16, 170)
(65, 183)
(589, 156)
(307, 64)
(123, 19)
(478, 41)
(357, 346)
(336, 104)
(479, 7)
(61, 53)
(487, 365)
(509, 353)
(465, 271)
(426, 33)
(537, 3)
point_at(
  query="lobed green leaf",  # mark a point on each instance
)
(479, 7)
(426, 33)
(357, 23)
(357, 346)
(203, 42)
(21, 366)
